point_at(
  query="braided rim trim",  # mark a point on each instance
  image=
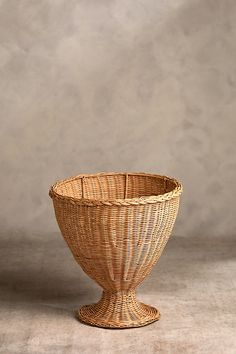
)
(176, 192)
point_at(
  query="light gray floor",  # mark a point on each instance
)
(193, 286)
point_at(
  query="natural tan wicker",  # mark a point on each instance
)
(117, 225)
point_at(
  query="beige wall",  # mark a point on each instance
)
(142, 85)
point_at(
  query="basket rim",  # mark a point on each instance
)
(176, 192)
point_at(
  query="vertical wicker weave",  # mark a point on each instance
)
(117, 225)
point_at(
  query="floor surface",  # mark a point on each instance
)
(193, 285)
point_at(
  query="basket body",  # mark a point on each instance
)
(117, 240)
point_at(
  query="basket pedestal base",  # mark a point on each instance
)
(118, 310)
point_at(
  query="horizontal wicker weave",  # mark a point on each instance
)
(117, 225)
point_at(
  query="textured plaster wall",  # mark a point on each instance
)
(142, 85)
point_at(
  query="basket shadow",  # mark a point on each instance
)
(42, 276)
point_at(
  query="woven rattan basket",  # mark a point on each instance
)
(117, 225)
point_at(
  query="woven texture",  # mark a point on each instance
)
(117, 225)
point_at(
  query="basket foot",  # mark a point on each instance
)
(118, 310)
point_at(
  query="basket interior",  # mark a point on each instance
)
(115, 186)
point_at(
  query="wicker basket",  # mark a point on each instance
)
(117, 225)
